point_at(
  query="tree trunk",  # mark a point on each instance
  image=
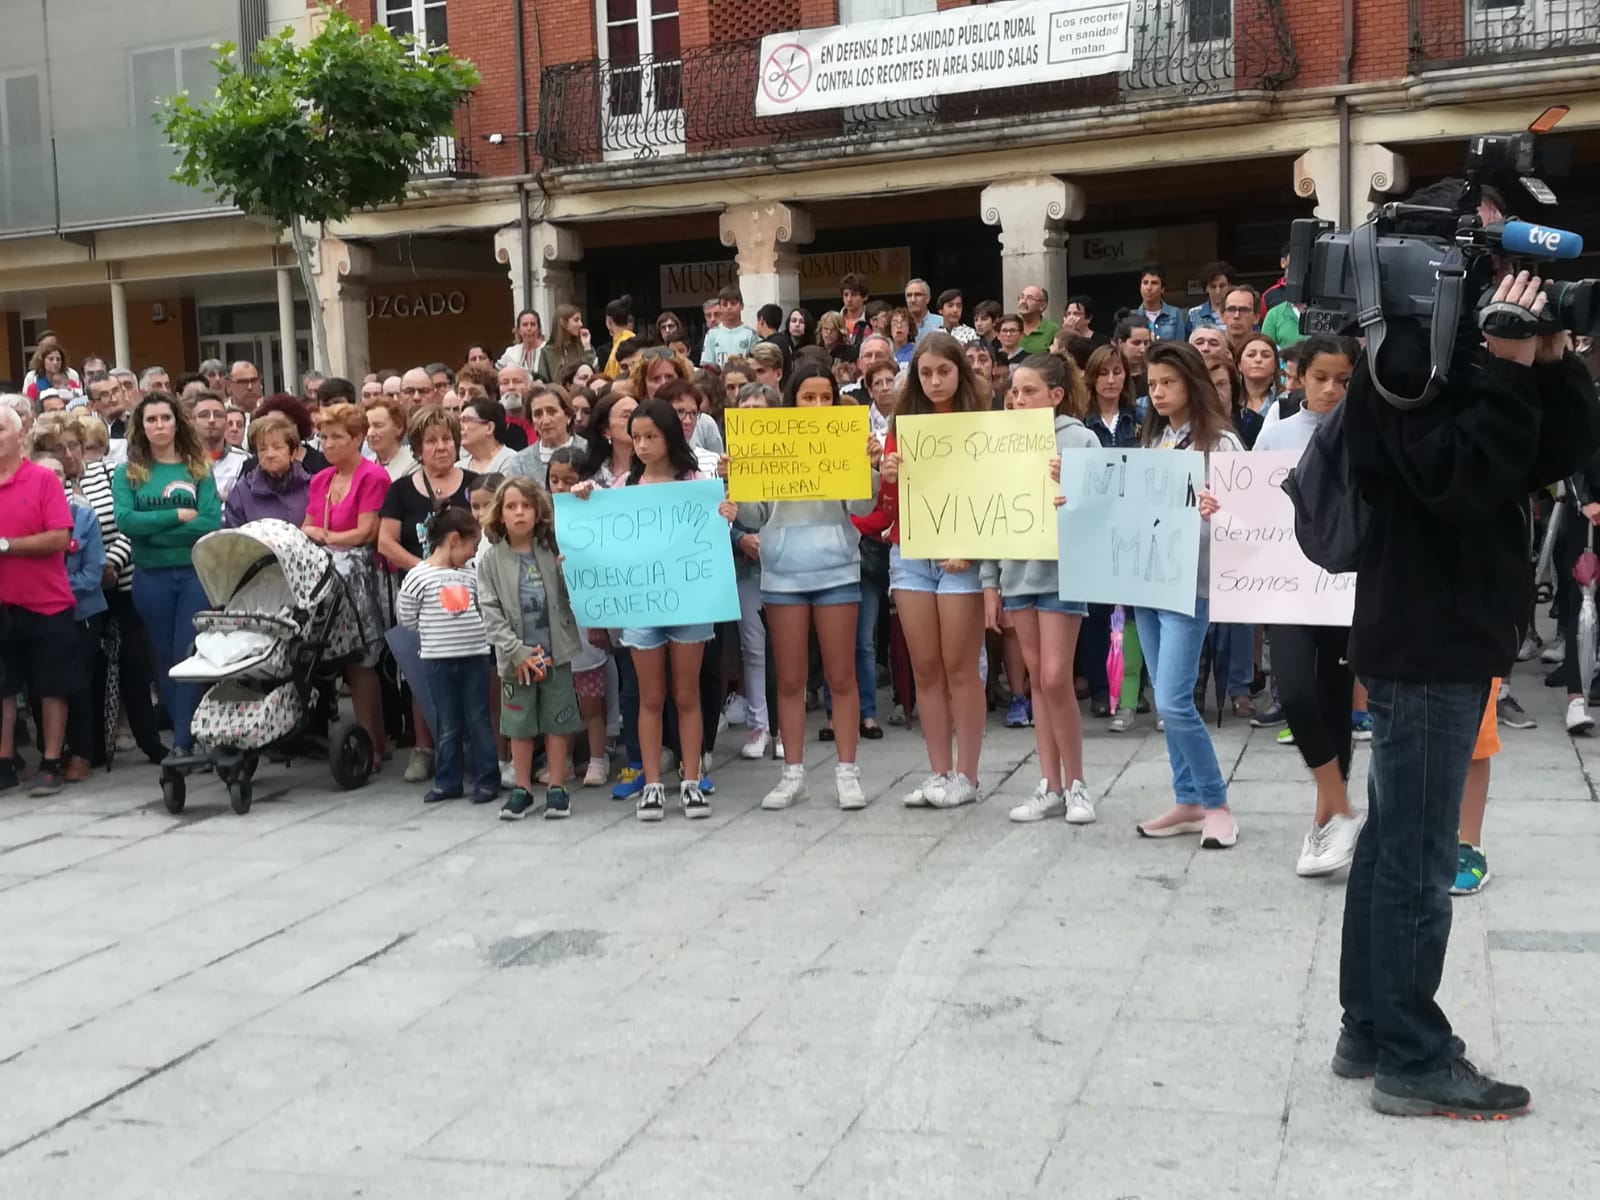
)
(319, 326)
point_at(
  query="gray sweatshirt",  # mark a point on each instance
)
(808, 545)
(1037, 577)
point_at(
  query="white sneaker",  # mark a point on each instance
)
(929, 791)
(1161, 725)
(693, 802)
(1579, 722)
(847, 783)
(733, 712)
(1329, 848)
(791, 787)
(755, 745)
(1080, 805)
(777, 747)
(1530, 646)
(1043, 803)
(958, 790)
(1121, 722)
(508, 775)
(1554, 651)
(652, 804)
(597, 774)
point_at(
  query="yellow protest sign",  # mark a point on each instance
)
(977, 485)
(798, 454)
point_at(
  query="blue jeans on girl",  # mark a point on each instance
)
(1171, 644)
(167, 599)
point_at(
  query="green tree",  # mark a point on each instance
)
(317, 131)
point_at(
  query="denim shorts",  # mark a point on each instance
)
(654, 639)
(1046, 602)
(848, 593)
(926, 575)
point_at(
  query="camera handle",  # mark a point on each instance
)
(1369, 313)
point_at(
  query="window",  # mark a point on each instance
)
(156, 75)
(424, 19)
(639, 32)
(1210, 20)
(21, 116)
(851, 11)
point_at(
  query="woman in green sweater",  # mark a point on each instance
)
(165, 501)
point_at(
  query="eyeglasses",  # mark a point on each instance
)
(416, 391)
(657, 353)
(1238, 310)
(250, 381)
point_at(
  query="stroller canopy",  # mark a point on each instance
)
(227, 558)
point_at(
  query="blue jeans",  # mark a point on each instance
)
(1234, 647)
(866, 654)
(1171, 644)
(167, 599)
(1397, 901)
(460, 690)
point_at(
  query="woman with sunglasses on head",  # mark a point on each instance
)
(1186, 413)
(658, 366)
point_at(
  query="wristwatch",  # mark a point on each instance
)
(5, 545)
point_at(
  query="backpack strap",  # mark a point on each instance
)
(1369, 313)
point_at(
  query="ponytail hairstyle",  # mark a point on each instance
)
(544, 511)
(620, 312)
(1209, 417)
(662, 415)
(489, 481)
(1063, 373)
(448, 520)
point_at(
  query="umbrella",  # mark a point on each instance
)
(111, 694)
(1586, 571)
(1114, 656)
(900, 677)
(1543, 575)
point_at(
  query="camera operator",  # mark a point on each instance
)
(1442, 605)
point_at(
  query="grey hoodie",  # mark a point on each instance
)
(808, 545)
(1037, 577)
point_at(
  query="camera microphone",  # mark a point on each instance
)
(1539, 241)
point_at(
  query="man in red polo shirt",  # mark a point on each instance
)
(38, 642)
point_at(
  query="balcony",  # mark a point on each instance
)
(1446, 33)
(704, 102)
(452, 155)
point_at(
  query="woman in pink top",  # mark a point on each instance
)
(342, 514)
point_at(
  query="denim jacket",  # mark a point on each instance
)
(1169, 325)
(1203, 316)
(1126, 432)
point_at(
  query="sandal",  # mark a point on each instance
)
(871, 730)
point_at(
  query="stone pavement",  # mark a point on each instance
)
(349, 995)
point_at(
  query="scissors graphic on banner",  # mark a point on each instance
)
(788, 73)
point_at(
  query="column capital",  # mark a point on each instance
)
(348, 262)
(760, 232)
(1375, 171)
(1034, 202)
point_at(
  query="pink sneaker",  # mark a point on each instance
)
(1176, 821)
(1220, 830)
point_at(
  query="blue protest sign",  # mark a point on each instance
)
(1130, 527)
(643, 557)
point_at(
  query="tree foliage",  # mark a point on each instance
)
(318, 131)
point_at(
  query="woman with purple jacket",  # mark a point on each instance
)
(277, 486)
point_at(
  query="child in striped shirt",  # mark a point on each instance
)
(439, 600)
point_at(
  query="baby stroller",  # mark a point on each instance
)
(272, 650)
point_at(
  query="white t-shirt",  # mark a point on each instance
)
(225, 470)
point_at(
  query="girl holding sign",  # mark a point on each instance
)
(1186, 413)
(661, 454)
(941, 600)
(811, 573)
(1309, 661)
(1047, 625)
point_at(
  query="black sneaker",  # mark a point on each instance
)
(557, 804)
(1458, 1090)
(1356, 1055)
(517, 805)
(8, 775)
(47, 780)
(485, 796)
(693, 801)
(652, 804)
(435, 796)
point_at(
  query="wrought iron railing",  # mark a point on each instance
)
(451, 155)
(705, 100)
(1447, 32)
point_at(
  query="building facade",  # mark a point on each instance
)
(644, 147)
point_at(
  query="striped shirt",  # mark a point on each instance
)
(94, 485)
(441, 604)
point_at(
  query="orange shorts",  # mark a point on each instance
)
(1489, 731)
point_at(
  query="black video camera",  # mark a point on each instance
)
(1432, 264)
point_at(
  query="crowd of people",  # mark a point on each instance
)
(431, 487)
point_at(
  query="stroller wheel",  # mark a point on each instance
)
(241, 793)
(173, 791)
(349, 754)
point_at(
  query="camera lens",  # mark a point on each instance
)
(1574, 306)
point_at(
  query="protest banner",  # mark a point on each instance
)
(643, 557)
(1130, 528)
(959, 50)
(798, 454)
(1259, 576)
(977, 485)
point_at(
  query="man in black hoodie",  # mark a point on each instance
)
(1442, 602)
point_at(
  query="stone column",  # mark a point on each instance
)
(1031, 215)
(1375, 173)
(121, 354)
(341, 273)
(767, 238)
(287, 355)
(553, 249)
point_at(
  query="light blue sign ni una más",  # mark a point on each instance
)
(646, 556)
(1130, 527)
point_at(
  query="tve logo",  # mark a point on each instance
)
(1550, 239)
(1519, 237)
